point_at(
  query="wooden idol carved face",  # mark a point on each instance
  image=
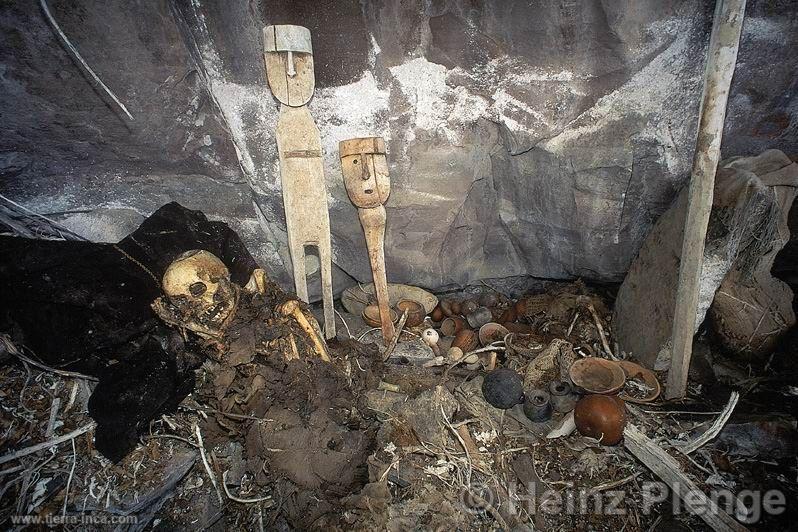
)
(365, 168)
(289, 63)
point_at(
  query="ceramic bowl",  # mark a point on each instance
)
(492, 332)
(636, 372)
(371, 315)
(597, 375)
(415, 312)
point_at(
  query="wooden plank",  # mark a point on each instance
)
(721, 59)
(305, 201)
(667, 468)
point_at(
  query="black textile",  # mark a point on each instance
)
(85, 307)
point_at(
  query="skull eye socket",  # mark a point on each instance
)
(197, 289)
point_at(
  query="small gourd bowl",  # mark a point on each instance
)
(597, 375)
(415, 312)
(371, 315)
(638, 372)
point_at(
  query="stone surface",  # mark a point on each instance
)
(748, 308)
(753, 309)
(525, 139)
(424, 414)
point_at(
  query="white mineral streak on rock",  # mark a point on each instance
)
(374, 51)
(438, 106)
(424, 85)
(467, 107)
(506, 107)
(348, 111)
(250, 113)
(649, 93)
(774, 31)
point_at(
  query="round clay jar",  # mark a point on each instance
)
(503, 388)
(602, 417)
(537, 406)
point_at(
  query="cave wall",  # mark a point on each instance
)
(525, 138)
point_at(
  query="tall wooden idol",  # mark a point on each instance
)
(365, 168)
(289, 70)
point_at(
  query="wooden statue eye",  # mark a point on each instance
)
(354, 161)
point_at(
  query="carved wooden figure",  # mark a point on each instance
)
(289, 63)
(289, 70)
(365, 169)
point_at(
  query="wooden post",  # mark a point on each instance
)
(721, 59)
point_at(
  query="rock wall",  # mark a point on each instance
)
(748, 309)
(525, 138)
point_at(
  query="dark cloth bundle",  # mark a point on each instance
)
(85, 306)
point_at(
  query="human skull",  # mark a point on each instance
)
(199, 278)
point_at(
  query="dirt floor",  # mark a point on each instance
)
(272, 441)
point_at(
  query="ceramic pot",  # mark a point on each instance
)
(537, 406)
(467, 307)
(466, 340)
(492, 332)
(415, 312)
(371, 315)
(597, 375)
(503, 388)
(602, 417)
(479, 317)
(488, 299)
(562, 397)
(453, 325)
